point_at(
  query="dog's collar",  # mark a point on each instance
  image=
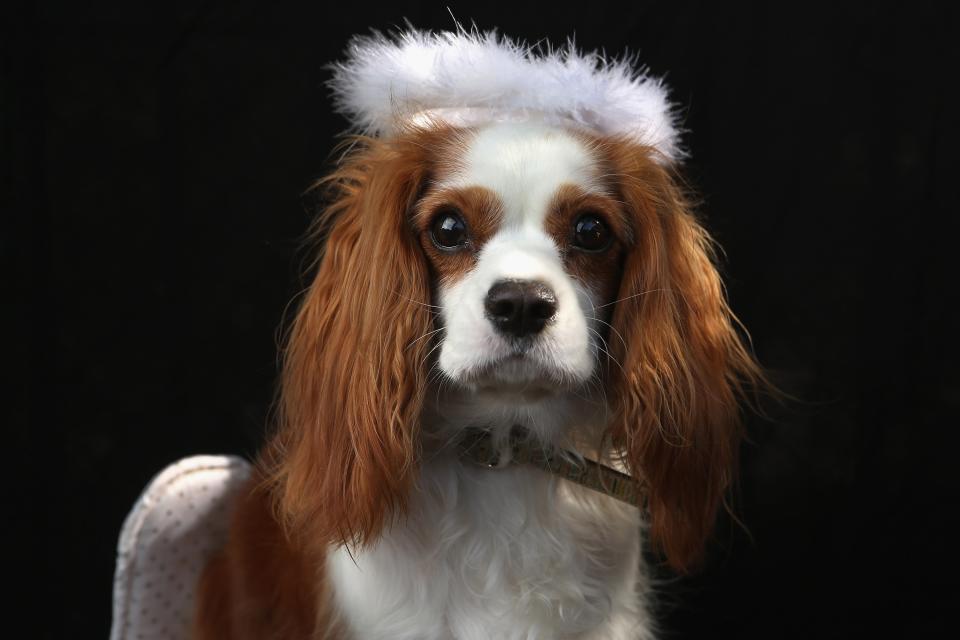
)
(478, 446)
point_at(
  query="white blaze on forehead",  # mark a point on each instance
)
(525, 164)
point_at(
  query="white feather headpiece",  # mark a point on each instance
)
(468, 78)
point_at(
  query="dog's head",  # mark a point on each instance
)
(533, 268)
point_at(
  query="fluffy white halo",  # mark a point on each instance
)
(466, 78)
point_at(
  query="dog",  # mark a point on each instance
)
(508, 252)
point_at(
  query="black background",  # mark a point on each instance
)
(154, 160)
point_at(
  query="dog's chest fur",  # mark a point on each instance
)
(507, 553)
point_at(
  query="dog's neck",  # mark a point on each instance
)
(569, 420)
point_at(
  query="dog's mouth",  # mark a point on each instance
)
(523, 393)
(519, 374)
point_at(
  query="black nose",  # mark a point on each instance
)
(520, 307)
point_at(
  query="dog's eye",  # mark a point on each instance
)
(448, 230)
(590, 233)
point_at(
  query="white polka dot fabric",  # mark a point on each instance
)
(179, 521)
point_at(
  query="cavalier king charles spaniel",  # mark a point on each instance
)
(514, 258)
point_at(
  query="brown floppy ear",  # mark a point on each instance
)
(684, 365)
(354, 372)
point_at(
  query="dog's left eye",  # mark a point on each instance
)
(590, 233)
(448, 230)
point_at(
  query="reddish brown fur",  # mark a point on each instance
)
(341, 464)
(683, 366)
(354, 408)
(260, 587)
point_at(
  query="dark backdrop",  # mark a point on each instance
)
(154, 160)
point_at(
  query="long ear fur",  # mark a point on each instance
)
(684, 365)
(353, 376)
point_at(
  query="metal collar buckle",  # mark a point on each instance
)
(477, 445)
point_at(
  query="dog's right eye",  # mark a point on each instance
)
(448, 230)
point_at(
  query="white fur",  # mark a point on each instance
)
(511, 553)
(498, 555)
(468, 78)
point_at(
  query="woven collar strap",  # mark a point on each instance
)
(478, 446)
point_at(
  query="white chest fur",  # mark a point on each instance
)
(497, 554)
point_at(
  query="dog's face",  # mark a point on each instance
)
(531, 268)
(523, 236)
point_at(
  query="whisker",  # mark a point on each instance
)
(635, 295)
(428, 333)
(614, 329)
(432, 349)
(606, 351)
(422, 304)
